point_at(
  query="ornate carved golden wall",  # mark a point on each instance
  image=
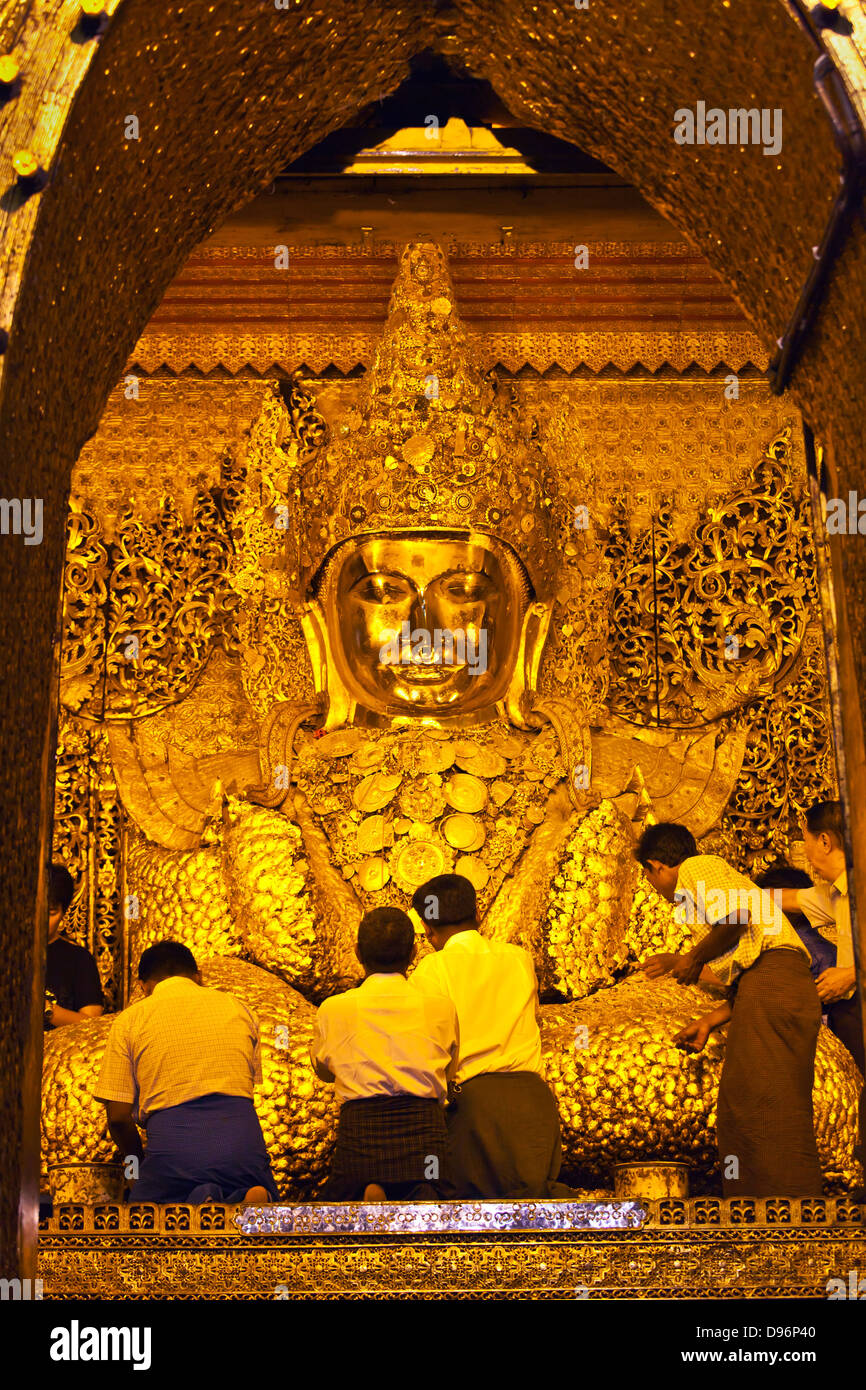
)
(700, 497)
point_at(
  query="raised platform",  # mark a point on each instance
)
(670, 1249)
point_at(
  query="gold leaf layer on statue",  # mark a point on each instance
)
(518, 912)
(652, 928)
(589, 903)
(626, 1093)
(179, 897)
(268, 881)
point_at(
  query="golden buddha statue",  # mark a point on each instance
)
(424, 609)
(430, 719)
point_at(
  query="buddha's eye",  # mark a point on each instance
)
(380, 588)
(469, 587)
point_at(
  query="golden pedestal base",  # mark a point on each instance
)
(696, 1249)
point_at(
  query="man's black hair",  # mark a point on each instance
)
(385, 940)
(667, 842)
(446, 901)
(825, 818)
(164, 959)
(61, 888)
(783, 875)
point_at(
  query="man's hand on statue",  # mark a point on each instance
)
(694, 1035)
(654, 967)
(834, 983)
(687, 969)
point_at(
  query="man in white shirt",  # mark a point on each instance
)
(503, 1124)
(388, 1051)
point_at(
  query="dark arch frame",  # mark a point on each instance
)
(224, 99)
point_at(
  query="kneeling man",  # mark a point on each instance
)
(503, 1123)
(388, 1050)
(183, 1061)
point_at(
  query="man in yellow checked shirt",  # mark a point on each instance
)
(764, 1132)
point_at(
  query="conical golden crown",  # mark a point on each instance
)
(433, 446)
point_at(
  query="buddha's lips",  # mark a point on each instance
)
(424, 672)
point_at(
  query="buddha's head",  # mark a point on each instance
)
(422, 623)
(428, 530)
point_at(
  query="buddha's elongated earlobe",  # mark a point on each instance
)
(533, 634)
(326, 678)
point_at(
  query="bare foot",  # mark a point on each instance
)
(374, 1193)
(257, 1197)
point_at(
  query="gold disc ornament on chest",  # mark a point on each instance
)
(376, 791)
(429, 757)
(422, 800)
(466, 793)
(373, 874)
(483, 763)
(418, 450)
(464, 832)
(339, 744)
(374, 834)
(474, 870)
(415, 862)
(369, 755)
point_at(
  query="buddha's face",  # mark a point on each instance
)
(426, 623)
